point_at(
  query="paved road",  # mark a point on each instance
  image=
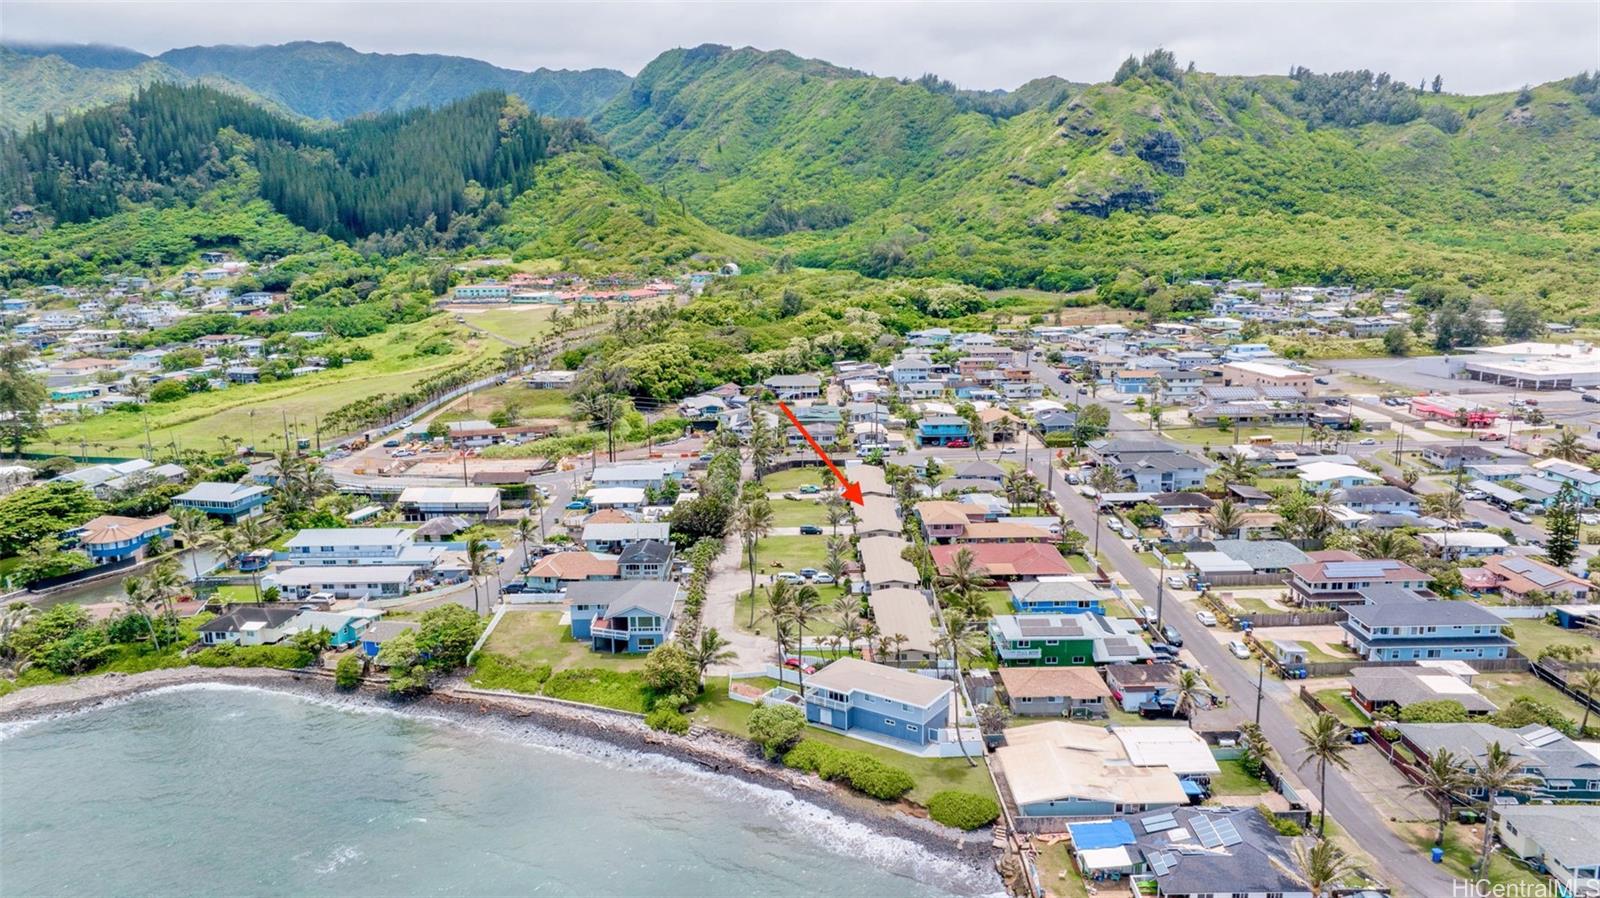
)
(1396, 859)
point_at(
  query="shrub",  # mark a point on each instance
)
(1285, 827)
(807, 755)
(499, 672)
(872, 776)
(625, 691)
(667, 720)
(285, 657)
(776, 727)
(963, 810)
(1437, 711)
(347, 674)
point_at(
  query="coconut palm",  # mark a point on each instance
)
(1326, 741)
(480, 560)
(763, 444)
(1498, 771)
(1441, 779)
(1236, 469)
(249, 535)
(834, 563)
(964, 581)
(1566, 446)
(1322, 864)
(780, 598)
(838, 511)
(711, 648)
(803, 611)
(137, 596)
(1587, 683)
(195, 528)
(526, 528)
(1447, 505)
(1226, 518)
(537, 501)
(1190, 687)
(1105, 479)
(963, 639)
(752, 522)
(1394, 544)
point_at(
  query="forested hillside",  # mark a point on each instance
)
(1159, 171)
(33, 85)
(330, 80)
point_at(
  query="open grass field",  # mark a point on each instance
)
(527, 404)
(524, 324)
(1534, 636)
(789, 553)
(255, 414)
(1504, 688)
(1461, 844)
(716, 710)
(537, 637)
(1338, 702)
(793, 478)
(1233, 780)
(795, 512)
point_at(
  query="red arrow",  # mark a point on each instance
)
(851, 491)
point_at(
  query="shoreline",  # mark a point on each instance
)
(709, 750)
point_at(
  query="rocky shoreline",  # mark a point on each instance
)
(706, 749)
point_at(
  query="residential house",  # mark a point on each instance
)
(1402, 629)
(344, 628)
(944, 430)
(1382, 499)
(907, 613)
(1005, 561)
(794, 386)
(1264, 374)
(1033, 640)
(1134, 381)
(1522, 579)
(349, 546)
(1378, 688)
(1245, 562)
(880, 704)
(1055, 691)
(647, 559)
(1134, 686)
(1563, 841)
(1585, 481)
(1457, 544)
(111, 538)
(367, 581)
(476, 503)
(1561, 769)
(558, 570)
(1057, 595)
(878, 516)
(1318, 476)
(1061, 769)
(624, 498)
(1455, 456)
(1190, 852)
(636, 475)
(1337, 577)
(982, 471)
(612, 538)
(625, 617)
(229, 501)
(247, 625)
(380, 631)
(1054, 422)
(884, 566)
(1154, 466)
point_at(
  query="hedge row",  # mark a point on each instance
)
(963, 810)
(860, 771)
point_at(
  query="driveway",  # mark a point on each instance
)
(722, 594)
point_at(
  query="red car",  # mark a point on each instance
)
(1491, 438)
(793, 663)
(957, 444)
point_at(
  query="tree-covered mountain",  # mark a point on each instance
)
(90, 56)
(330, 80)
(33, 85)
(1160, 171)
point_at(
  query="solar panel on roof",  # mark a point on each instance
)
(1543, 736)
(1205, 832)
(1161, 863)
(1121, 647)
(1228, 833)
(1157, 823)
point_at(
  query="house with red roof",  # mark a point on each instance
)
(1005, 561)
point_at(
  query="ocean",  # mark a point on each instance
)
(229, 790)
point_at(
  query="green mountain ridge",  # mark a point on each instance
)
(1165, 173)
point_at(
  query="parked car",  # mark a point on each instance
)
(811, 489)
(577, 505)
(1369, 441)
(1074, 479)
(1206, 618)
(1172, 636)
(1492, 438)
(1130, 402)
(808, 572)
(1239, 649)
(822, 579)
(1591, 397)
(794, 663)
(790, 577)
(1474, 525)
(1009, 450)
(1521, 517)
(1320, 380)
(810, 530)
(1176, 581)
(391, 444)
(514, 587)
(957, 444)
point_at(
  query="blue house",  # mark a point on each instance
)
(1057, 595)
(379, 632)
(228, 501)
(344, 628)
(1584, 481)
(876, 703)
(622, 616)
(110, 538)
(942, 430)
(1409, 629)
(1134, 381)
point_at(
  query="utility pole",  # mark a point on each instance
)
(1161, 590)
(285, 415)
(1261, 680)
(464, 481)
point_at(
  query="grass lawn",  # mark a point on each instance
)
(1534, 636)
(1338, 701)
(1150, 560)
(1056, 871)
(1234, 780)
(715, 709)
(1319, 652)
(520, 325)
(820, 627)
(528, 403)
(236, 594)
(1079, 564)
(1461, 851)
(537, 637)
(253, 414)
(792, 552)
(998, 601)
(794, 512)
(1504, 688)
(1250, 603)
(791, 479)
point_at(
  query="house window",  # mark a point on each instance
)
(1052, 660)
(1077, 659)
(911, 727)
(888, 721)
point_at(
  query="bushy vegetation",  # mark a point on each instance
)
(493, 671)
(775, 727)
(284, 657)
(347, 673)
(858, 770)
(963, 810)
(622, 690)
(667, 720)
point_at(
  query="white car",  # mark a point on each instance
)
(1239, 649)
(790, 577)
(823, 578)
(1009, 450)
(1369, 441)
(1130, 402)
(1176, 581)
(1206, 618)
(1521, 517)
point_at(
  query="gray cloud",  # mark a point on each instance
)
(1491, 45)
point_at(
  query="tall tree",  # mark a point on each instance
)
(753, 521)
(1561, 527)
(1326, 741)
(1322, 864)
(22, 399)
(1442, 778)
(1498, 771)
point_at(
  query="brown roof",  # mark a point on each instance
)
(1159, 674)
(945, 512)
(113, 529)
(609, 516)
(574, 566)
(1045, 682)
(1000, 530)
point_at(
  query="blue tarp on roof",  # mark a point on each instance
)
(1190, 787)
(1109, 834)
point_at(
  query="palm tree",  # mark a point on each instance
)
(1190, 687)
(249, 535)
(195, 528)
(479, 558)
(1322, 865)
(1498, 771)
(803, 611)
(1156, 410)
(1226, 518)
(964, 580)
(780, 598)
(834, 564)
(603, 409)
(537, 501)
(1447, 505)
(1326, 742)
(753, 522)
(1441, 778)
(526, 527)
(838, 511)
(1105, 479)
(1566, 446)
(136, 595)
(1393, 544)
(963, 638)
(763, 444)
(1587, 683)
(711, 648)
(1236, 469)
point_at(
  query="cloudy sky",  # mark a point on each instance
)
(1489, 45)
